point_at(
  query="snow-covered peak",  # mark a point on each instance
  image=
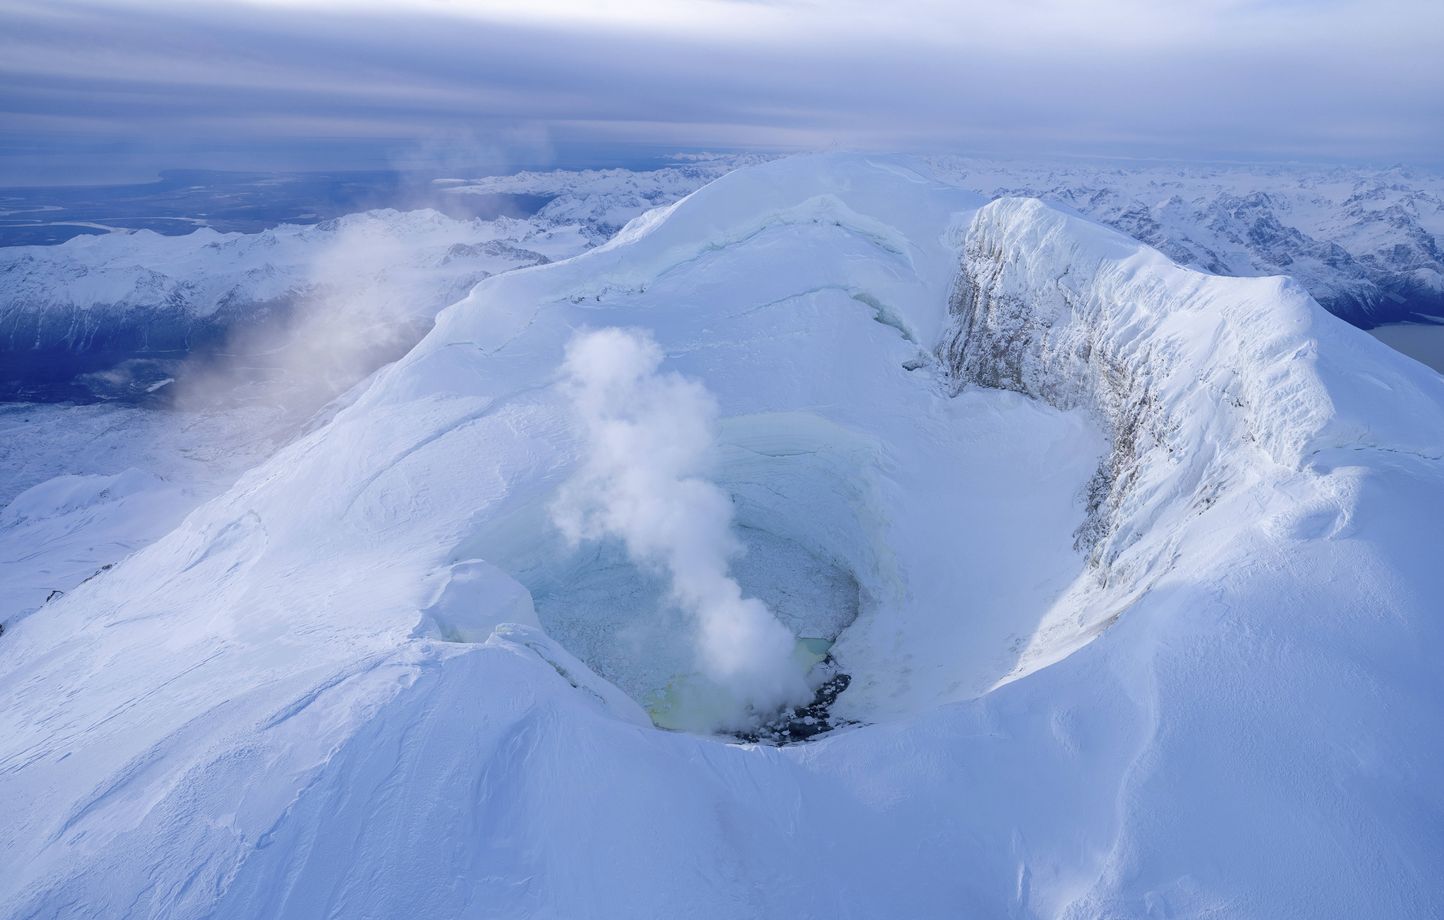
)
(1202, 383)
(1366, 243)
(1085, 300)
(603, 200)
(1135, 590)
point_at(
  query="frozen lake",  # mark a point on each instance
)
(1424, 342)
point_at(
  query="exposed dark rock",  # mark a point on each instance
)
(805, 722)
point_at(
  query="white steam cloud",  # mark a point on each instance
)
(649, 436)
(357, 304)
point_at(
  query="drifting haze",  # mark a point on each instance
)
(351, 319)
(102, 87)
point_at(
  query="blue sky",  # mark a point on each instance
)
(103, 90)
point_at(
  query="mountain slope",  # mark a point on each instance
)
(1144, 612)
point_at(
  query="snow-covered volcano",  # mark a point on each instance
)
(1132, 570)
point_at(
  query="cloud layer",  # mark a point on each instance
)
(317, 83)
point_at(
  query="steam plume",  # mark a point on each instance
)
(358, 309)
(648, 438)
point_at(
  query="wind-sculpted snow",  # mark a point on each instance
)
(372, 679)
(1038, 311)
(1198, 380)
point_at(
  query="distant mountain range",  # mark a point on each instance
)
(1364, 243)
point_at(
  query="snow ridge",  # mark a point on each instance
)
(1367, 243)
(1201, 382)
(334, 690)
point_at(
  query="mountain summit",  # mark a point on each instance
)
(1132, 571)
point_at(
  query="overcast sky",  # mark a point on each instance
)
(93, 90)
